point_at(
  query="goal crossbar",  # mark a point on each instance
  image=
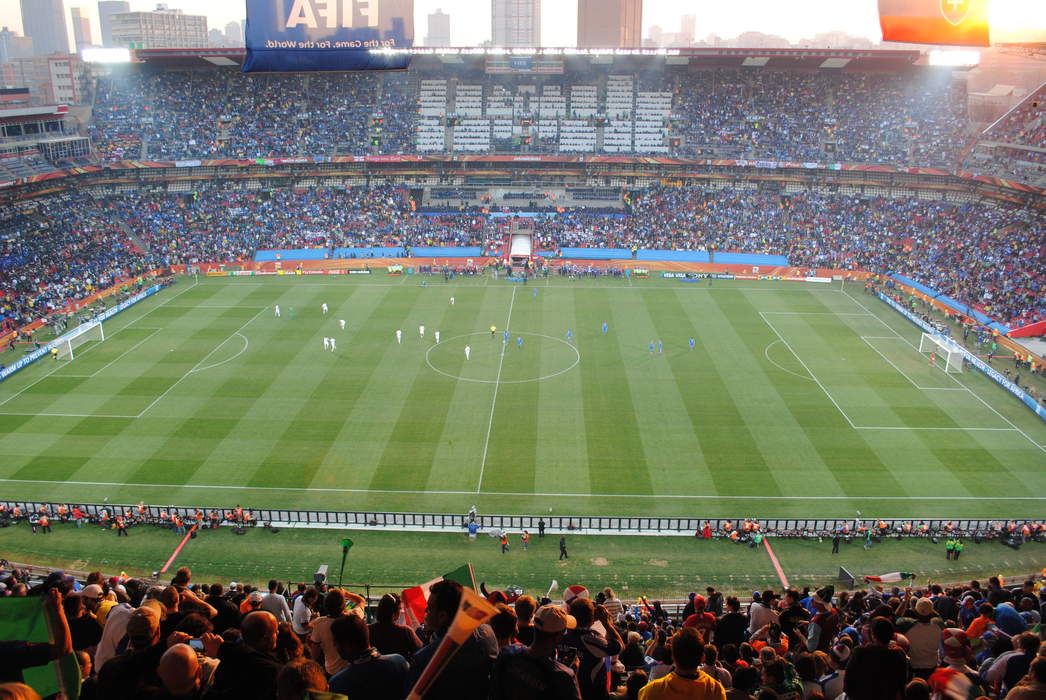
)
(944, 349)
(67, 344)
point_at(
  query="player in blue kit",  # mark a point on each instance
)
(519, 342)
(692, 343)
(570, 335)
(606, 327)
(660, 347)
(504, 338)
(651, 347)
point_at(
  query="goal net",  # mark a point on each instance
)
(948, 355)
(68, 343)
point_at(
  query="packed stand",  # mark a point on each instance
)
(914, 118)
(1025, 126)
(286, 641)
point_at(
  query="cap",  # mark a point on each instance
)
(91, 592)
(955, 643)
(255, 598)
(551, 619)
(925, 607)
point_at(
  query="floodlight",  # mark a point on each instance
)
(106, 55)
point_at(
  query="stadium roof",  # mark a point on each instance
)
(788, 59)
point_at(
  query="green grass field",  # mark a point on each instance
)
(799, 400)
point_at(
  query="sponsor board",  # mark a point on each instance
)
(974, 360)
(358, 272)
(822, 280)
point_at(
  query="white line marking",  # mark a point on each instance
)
(477, 285)
(899, 370)
(904, 427)
(197, 365)
(813, 313)
(494, 401)
(228, 306)
(766, 354)
(972, 393)
(812, 375)
(521, 493)
(67, 415)
(120, 356)
(246, 343)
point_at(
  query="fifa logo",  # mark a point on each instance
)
(324, 14)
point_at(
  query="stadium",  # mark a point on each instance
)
(697, 316)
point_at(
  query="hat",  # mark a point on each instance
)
(91, 592)
(699, 603)
(56, 578)
(552, 619)
(824, 596)
(143, 625)
(572, 592)
(255, 598)
(925, 607)
(955, 642)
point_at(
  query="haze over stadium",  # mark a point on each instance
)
(693, 332)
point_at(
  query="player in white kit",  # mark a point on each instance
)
(341, 323)
(421, 330)
(277, 311)
(326, 343)
(437, 337)
(452, 301)
(334, 344)
(399, 336)
(468, 351)
(324, 307)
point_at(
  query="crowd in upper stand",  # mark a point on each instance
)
(296, 642)
(977, 253)
(824, 116)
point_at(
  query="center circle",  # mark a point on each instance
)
(491, 360)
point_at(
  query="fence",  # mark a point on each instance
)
(581, 524)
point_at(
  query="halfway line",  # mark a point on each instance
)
(494, 402)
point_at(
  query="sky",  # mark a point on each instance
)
(793, 20)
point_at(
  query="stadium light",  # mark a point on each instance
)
(941, 57)
(106, 55)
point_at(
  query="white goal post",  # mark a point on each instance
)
(946, 349)
(67, 344)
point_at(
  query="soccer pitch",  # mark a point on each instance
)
(798, 400)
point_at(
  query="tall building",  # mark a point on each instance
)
(81, 29)
(609, 23)
(106, 10)
(688, 29)
(159, 29)
(439, 29)
(43, 21)
(51, 79)
(233, 34)
(13, 46)
(515, 22)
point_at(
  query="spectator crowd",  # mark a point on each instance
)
(984, 255)
(294, 641)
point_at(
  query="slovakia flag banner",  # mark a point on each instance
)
(328, 35)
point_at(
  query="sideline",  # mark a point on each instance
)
(777, 564)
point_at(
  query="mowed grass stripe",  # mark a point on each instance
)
(561, 458)
(817, 434)
(617, 463)
(736, 464)
(372, 384)
(406, 461)
(658, 384)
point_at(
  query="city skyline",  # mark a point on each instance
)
(1011, 20)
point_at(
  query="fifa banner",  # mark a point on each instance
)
(948, 22)
(974, 360)
(57, 342)
(328, 35)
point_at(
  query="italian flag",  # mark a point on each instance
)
(416, 599)
(890, 578)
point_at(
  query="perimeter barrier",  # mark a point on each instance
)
(581, 524)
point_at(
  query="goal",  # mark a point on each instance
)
(949, 355)
(68, 343)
